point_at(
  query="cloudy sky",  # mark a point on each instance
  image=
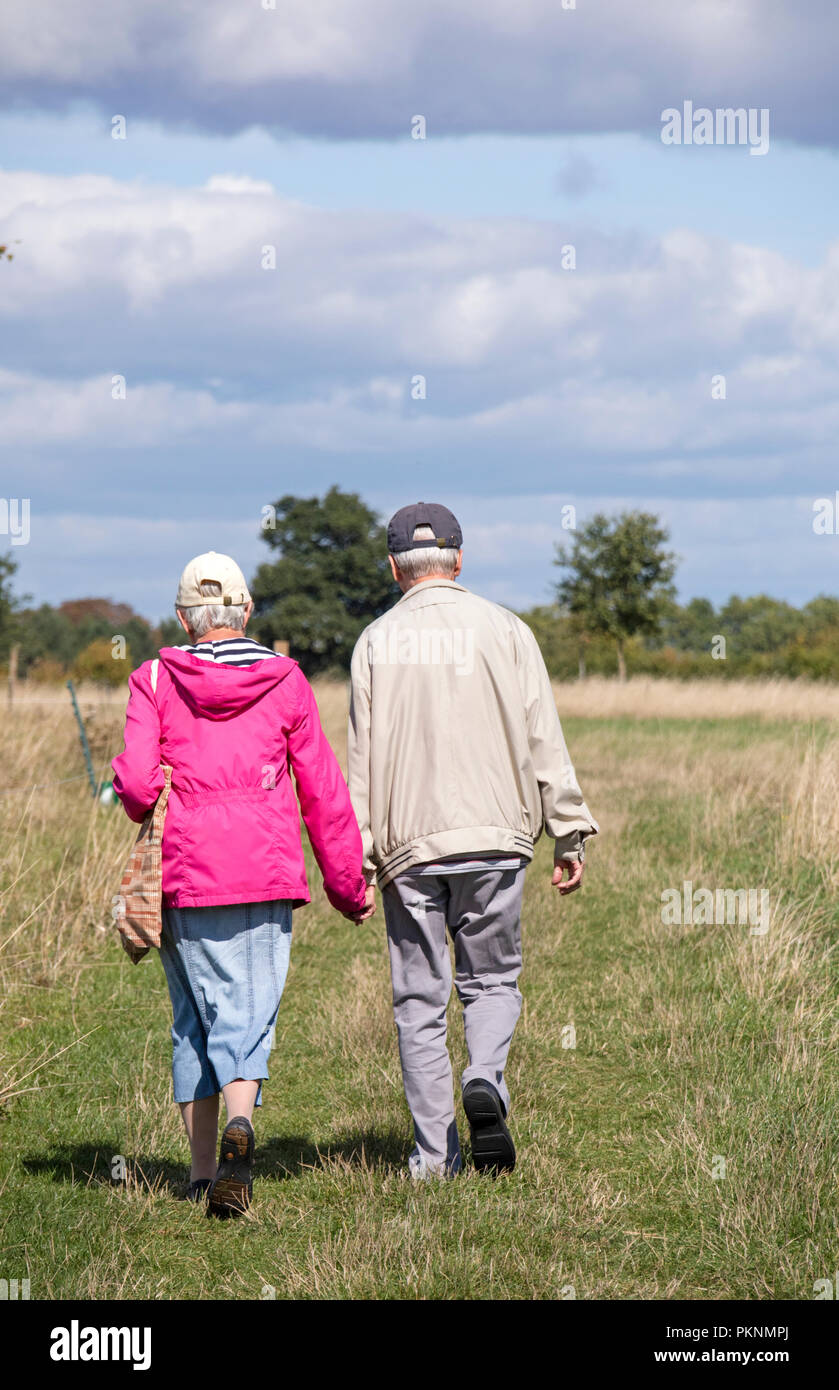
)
(552, 376)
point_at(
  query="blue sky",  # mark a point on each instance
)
(634, 182)
(395, 257)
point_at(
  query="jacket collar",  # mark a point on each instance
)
(431, 584)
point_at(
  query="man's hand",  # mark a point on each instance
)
(575, 869)
(369, 906)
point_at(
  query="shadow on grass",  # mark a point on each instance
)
(287, 1156)
(92, 1165)
(278, 1159)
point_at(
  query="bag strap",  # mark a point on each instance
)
(160, 804)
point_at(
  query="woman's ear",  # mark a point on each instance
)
(247, 614)
(182, 620)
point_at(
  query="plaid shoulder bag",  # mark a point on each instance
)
(139, 906)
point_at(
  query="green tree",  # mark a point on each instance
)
(619, 576)
(758, 624)
(568, 651)
(821, 612)
(100, 619)
(10, 614)
(60, 634)
(170, 633)
(46, 634)
(331, 578)
(96, 662)
(690, 628)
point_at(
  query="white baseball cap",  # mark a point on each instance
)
(212, 569)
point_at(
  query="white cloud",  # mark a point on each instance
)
(242, 384)
(609, 364)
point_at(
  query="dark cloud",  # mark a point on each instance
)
(343, 70)
(578, 176)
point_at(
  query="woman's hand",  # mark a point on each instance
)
(368, 909)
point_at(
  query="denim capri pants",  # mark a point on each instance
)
(226, 968)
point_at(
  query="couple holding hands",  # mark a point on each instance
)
(454, 769)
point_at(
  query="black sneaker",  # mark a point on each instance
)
(232, 1187)
(492, 1147)
(197, 1190)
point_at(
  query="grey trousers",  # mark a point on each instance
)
(482, 910)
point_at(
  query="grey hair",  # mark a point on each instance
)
(419, 564)
(202, 618)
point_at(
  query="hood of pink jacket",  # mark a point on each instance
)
(216, 691)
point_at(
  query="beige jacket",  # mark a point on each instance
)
(455, 745)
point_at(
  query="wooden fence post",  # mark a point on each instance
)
(13, 656)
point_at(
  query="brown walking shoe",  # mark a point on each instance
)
(232, 1188)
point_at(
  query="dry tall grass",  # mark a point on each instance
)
(647, 697)
(60, 855)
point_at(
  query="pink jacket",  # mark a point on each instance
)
(233, 736)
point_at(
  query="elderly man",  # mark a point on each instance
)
(456, 762)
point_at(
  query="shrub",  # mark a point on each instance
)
(97, 663)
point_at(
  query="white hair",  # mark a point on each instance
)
(202, 618)
(420, 563)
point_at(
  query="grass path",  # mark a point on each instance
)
(683, 1147)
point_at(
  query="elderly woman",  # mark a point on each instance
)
(233, 720)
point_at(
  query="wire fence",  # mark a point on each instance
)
(41, 786)
(108, 703)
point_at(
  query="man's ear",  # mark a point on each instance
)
(459, 566)
(394, 569)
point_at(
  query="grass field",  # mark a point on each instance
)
(683, 1148)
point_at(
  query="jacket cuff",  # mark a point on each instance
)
(570, 846)
(342, 901)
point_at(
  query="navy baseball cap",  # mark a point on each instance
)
(444, 524)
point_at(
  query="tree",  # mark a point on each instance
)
(60, 634)
(331, 579)
(758, 624)
(100, 619)
(691, 628)
(170, 633)
(619, 578)
(821, 612)
(10, 616)
(97, 663)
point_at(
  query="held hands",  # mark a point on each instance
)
(574, 869)
(368, 909)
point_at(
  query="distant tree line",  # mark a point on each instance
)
(77, 638)
(615, 609)
(763, 636)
